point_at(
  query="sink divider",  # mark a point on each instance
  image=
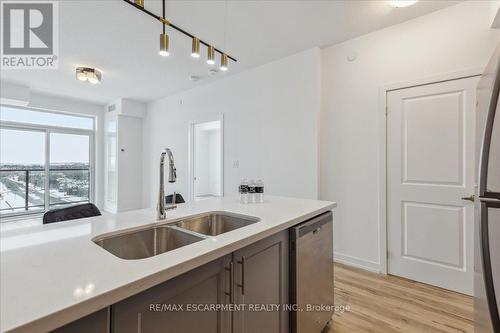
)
(186, 231)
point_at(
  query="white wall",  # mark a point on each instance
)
(270, 126)
(129, 152)
(123, 150)
(453, 39)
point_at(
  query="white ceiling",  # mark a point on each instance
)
(123, 42)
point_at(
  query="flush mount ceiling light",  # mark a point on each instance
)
(402, 3)
(91, 75)
(196, 42)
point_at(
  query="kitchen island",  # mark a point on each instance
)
(55, 274)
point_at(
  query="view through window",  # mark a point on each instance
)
(45, 160)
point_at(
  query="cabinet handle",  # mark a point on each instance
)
(139, 322)
(231, 281)
(242, 285)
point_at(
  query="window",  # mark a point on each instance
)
(26, 116)
(46, 160)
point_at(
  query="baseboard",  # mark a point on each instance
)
(357, 262)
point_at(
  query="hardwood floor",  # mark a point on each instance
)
(388, 304)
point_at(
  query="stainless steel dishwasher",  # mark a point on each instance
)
(311, 264)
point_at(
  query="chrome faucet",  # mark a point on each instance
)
(162, 208)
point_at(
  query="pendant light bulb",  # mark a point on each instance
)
(195, 48)
(223, 62)
(211, 55)
(164, 45)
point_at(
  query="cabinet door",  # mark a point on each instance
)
(97, 322)
(149, 312)
(261, 277)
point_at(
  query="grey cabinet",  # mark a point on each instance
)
(261, 278)
(97, 322)
(257, 274)
(164, 308)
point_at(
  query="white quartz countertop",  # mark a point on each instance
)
(53, 274)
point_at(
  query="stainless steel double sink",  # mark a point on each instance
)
(153, 240)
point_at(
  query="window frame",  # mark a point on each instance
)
(47, 130)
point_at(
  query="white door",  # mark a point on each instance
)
(430, 166)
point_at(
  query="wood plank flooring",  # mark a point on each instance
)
(388, 304)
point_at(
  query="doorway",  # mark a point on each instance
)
(206, 153)
(430, 166)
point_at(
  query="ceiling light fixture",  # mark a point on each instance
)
(211, 55)
(91, 75)
(164, 45)
(223, 62)
(402, 3)
(195, 48)
(164, 40)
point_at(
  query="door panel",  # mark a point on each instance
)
(97, 322)
(157, 310)
(447, 223)
(261, 277)
(437, 156)
(430, 166)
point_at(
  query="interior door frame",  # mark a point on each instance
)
(191, 159)
(383, 91)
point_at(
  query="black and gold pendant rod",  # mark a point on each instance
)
(139, 4)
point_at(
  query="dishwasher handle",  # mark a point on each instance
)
(312, 225)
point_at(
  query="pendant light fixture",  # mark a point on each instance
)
(164, 45)
(195, 48)
(223, 62)
(164, 37)
(196, 42)
(210, 55)
(223, 57)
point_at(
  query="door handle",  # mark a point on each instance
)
(242, 285)
(470, 198)
(231, 282)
